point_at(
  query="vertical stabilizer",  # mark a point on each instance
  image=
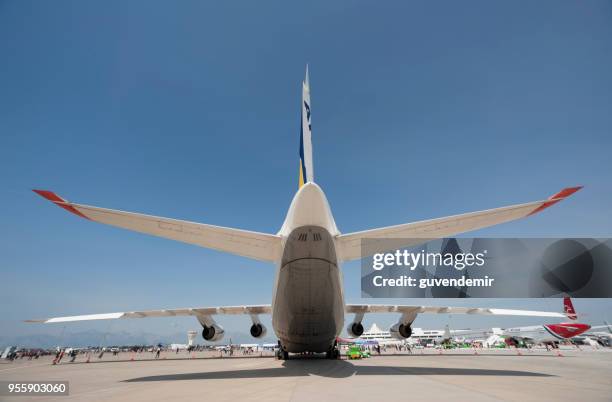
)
(568, 308)
(306, 168)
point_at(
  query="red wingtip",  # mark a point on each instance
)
(566, 192)
(59, 201)
(49, 195)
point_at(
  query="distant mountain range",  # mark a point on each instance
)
(99, 338)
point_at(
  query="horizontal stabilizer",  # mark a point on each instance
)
(419, 232)
(259, 246)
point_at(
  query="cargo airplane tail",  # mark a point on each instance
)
(308, 308)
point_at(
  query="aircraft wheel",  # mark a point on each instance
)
(282, 354)
(333, 353)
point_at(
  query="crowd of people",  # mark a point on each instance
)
(28, 354)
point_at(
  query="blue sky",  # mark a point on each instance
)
(191, 110)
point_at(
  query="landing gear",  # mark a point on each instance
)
(281, 354)
(333, 353)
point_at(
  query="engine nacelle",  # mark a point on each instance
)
(401, 331)
(355, 329)
(258, 330)
(213, 333)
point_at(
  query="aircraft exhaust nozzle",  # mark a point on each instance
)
(355, 329)
(258, 330)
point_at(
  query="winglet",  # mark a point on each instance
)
(59, 201)
(561, 195)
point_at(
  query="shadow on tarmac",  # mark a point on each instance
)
(523, 354)
(332, 369)
(413, 355)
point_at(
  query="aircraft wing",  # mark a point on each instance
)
(411, 234)
(414, 310)
(259, 246)
(198, 311)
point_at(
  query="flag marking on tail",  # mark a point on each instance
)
(306, 169)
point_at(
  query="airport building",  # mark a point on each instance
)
(375, 333)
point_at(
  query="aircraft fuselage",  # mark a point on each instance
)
(308, 301)
(547, 333)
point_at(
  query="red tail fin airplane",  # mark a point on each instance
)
(548, 333)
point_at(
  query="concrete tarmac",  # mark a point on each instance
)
(457, 375)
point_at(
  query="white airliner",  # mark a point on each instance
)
(549, 334)
(308, 306)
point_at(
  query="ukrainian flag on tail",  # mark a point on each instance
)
(306, 171)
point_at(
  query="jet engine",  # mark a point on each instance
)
(401, 331)
(258, 330)
(355, 329)
(213, 333)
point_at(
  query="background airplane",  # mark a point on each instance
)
(549, 334)
(308, 308)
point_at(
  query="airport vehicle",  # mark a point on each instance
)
(308, 308)
(354, 352)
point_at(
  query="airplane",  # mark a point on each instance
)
(547, 334)
(308, 307)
